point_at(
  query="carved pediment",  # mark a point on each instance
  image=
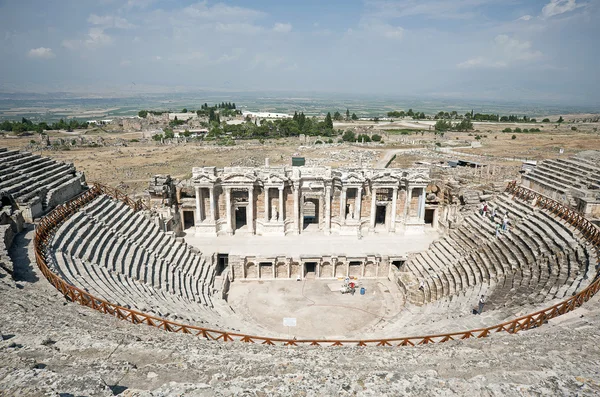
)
(204, 178)
(239, 177)
(353, 178)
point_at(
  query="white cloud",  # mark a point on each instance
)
(433, 9)
(41, 53)
(282, 27)
(481, 62)
(557, 7)
(110, 21)
(222, 12)
(94, 39)
(505, 52)
(381, 29)
(524, 18)
(238, 28)
(267, 60)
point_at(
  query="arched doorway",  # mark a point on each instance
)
(251, 270)
(310, 212)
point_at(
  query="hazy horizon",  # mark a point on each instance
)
(536, 51)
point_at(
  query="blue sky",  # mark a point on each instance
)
(530, 50)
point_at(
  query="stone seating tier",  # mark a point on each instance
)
(539, 259)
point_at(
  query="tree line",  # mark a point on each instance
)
(27, 125)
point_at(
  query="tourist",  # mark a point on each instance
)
(493, 215)
(485, 208)
(505, 222)
(421, 286)
(497, 230)
(481, 208)
(481, 304)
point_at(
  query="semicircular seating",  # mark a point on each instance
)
(540, 260)
(121, 256)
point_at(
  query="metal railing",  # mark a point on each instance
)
(45, 229)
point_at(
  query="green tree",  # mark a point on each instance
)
(376, 138)
(184, 110)
(507, 130)
(337, 116)
(347, 114)
(328, 121)
(464, 125)
(560, 119)
(143, 113)
(513, 137)
(349, 136)
(169, 134)
(443, 125)
(546, 120)
(354, 116)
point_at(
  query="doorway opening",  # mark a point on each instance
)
(240, 217)
(429, 215)
(397, 264)
(222, 263)
(266, 269)
(188, 219)
(310, 267)
(380, 215)
(311, 212)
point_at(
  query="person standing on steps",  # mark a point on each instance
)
(481, 304)
(505, 222)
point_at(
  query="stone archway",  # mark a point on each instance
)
(251, 270)
(295, 270)
(326, 270)
(340, 269)
(281, 270)
(370, 269)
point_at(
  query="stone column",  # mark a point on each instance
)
(422, 205)
(202, 210)
(296, 209)
(228, 209)
(280, 215)
(266, 204)
(407, 205)
(213, 212)
(198, 213)
(373, 207)
(327, 210)
(393, 217)
(343, 206)
(250, 211)
(358, 203)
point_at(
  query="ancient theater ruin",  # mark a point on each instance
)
(230, 252)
